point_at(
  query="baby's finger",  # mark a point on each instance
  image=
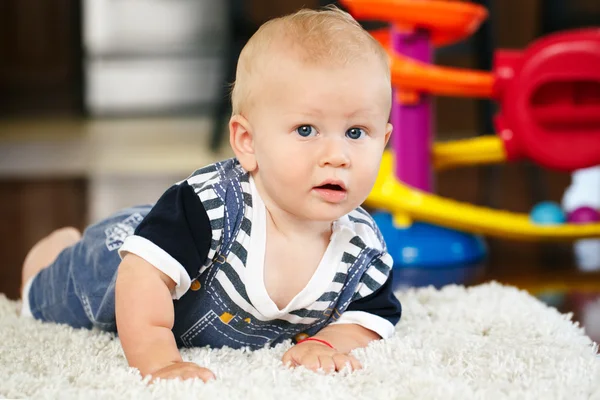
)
(204, 374)
(310, 361)
(183, 372)
(342, 361)
(288, 359)
(356, 365)
(327, 364)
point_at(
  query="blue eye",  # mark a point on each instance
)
(306, 130)
(355, 133)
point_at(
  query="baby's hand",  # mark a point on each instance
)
(183, 370)
(314, 355)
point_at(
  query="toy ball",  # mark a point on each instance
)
(584, 215)
(547, 213)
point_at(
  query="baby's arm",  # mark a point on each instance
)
(145, 317)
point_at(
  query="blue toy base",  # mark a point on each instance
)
(426, 254)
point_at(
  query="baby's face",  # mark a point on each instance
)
(319, 134)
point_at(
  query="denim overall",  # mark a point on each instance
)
(204, 315)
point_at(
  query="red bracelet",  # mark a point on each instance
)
(325, 342)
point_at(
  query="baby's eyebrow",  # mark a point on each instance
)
(363, 112)
(309, 112)
(367, 113)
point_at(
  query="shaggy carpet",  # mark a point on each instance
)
(485, 342)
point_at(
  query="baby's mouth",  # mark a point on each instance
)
(331, 186)
(332, 192)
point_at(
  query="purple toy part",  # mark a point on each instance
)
(583, 215)
(412, 138)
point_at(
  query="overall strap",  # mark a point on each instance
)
(357, 267)
(231, 194)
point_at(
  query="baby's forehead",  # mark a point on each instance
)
(296, 60)
(293, 70)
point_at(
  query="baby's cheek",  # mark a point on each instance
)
(283, 170)
(282, 156)
(367, 174)
(290, 164)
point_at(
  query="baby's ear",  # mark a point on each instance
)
(388, 132)
(242, 142)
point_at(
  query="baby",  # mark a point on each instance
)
(269, 246)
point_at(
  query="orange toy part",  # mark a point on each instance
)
(447, 21)
(408, 74)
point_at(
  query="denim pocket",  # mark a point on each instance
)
(223, 330)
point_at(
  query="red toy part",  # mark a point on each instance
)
(550, 100)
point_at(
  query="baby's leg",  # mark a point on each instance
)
(44, 252)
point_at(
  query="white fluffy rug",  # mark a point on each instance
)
(485, 342)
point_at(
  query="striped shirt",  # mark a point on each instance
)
(217, 219)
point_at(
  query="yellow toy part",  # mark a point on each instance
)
(479, 150)
(390, 194)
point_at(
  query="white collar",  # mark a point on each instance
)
(342, 232)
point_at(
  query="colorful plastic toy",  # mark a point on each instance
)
(554, 120)
(426, 254)
(584, 215)
(550, 100)
(549, 97)
(547, 213)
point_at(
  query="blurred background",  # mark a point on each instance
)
(106, 103)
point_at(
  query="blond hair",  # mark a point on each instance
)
(317, 37)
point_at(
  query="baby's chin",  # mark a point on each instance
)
(328, 212)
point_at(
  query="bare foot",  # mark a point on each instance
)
(44, 252)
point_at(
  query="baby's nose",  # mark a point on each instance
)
(335, 153)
